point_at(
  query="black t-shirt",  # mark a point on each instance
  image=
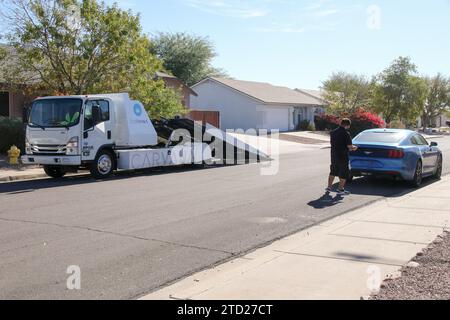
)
(340, 140)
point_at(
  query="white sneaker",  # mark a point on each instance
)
(343, 193)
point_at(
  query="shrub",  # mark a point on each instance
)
(361, 121)
(326, 122)
(397, 124)
(305, 125)
(12, 133)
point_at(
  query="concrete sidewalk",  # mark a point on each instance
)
(7, 175)
(311, 135)
(18, 172)
(340, 259)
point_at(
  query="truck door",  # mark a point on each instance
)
(98, 134)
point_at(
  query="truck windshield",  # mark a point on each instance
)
(55, 113)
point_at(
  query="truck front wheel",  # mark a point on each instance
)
(103, 165)
(55, 172)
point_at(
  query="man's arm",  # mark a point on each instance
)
(350, 145)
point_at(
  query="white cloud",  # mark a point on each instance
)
(281, 29)
(282, 16)
(326, 12)
(232, 8)
(318, 9)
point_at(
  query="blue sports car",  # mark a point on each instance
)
(401, 154)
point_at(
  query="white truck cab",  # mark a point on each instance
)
(102, 133)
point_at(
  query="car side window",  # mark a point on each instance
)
(422, 140)
(418, 140)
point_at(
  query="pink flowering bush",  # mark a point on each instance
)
(361, 120)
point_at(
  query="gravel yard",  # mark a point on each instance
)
(427, 277)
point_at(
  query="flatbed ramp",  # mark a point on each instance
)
(225, 147)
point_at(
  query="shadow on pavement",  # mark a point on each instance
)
(379, 187)
(326, 201)
(48, 183)
(388, 188)
(356, 257)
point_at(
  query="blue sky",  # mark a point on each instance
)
(299, 43)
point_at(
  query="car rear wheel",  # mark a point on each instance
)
(438, 173)
(418, 175)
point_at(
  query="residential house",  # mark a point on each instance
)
(441, 121)
(318, 94)
(175, 83)
(12, 104)
(186, 93)
(255, 105)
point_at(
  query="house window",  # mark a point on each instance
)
(4, 104)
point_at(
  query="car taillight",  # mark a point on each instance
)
(396, 154)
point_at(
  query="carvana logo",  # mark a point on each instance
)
(137, 109)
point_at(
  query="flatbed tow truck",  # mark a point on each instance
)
(111, 132)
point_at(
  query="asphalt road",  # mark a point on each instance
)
(138, 232)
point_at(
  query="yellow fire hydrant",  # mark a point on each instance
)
(14, 154)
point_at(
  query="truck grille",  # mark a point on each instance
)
(48, 149)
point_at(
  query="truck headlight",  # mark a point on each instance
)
(72, 146)
(28, 147)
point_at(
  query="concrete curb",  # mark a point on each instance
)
(22, 177)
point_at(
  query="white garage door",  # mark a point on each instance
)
(277, 119)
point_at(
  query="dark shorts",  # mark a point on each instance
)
(340, 168)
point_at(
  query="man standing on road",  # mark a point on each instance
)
(341, 145)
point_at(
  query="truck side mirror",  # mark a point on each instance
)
(96, 115)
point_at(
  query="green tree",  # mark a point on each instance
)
(3, 54)
(438, 99)
(346, 92)
(398, 93)
(188, 57)
(82, 47)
